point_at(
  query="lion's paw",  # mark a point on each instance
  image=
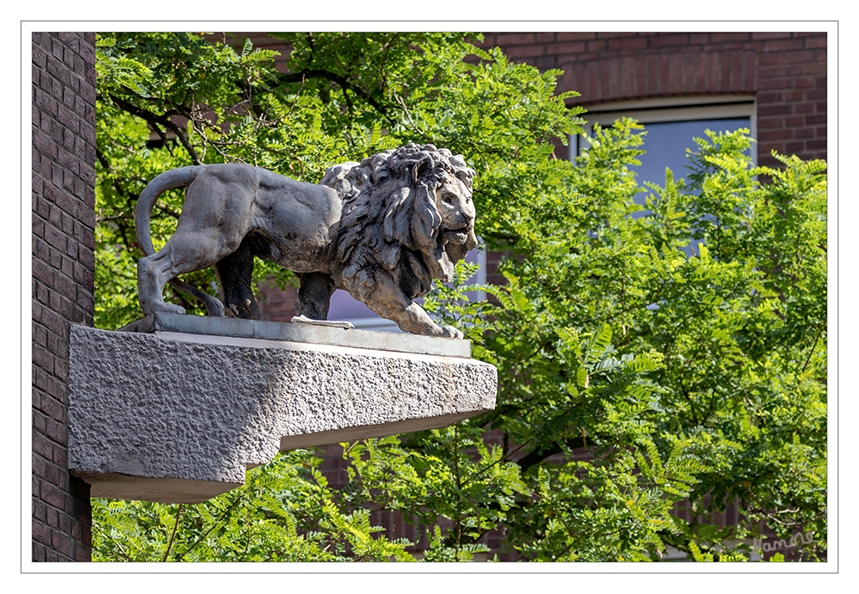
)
(171, 308)
(451, 332)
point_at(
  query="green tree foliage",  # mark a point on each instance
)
(651, 357)
(283, 512)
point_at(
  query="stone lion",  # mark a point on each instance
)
(381, 229)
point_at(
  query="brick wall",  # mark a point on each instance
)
(786, 72)
(278, 305)
(63, 272)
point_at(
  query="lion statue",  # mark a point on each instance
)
(381, 229)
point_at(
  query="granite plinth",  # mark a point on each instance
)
(178, 417)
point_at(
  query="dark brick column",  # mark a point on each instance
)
(63, 272)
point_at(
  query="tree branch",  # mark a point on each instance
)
(537, 456)
(344, 84)
(172, 536)
(113, 540)
(155, 121)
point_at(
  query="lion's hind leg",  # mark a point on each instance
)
(235, 273)
(184, 252)
(152, 277)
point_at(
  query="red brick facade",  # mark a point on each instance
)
(785, 72)
(63, 271)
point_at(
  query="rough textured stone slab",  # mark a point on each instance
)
(302, 333)
(166, 417)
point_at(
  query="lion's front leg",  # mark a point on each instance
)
(315, 294)
(388, 301)
(419, 319)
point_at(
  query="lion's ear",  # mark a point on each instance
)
(335, 178)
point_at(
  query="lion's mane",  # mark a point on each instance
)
(390, 221)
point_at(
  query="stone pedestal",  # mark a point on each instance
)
(178, 416)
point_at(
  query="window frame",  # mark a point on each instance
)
(667, 109)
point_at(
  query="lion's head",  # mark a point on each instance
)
(406, 211)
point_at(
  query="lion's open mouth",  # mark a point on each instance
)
(456, 236)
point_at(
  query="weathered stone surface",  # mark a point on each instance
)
(165, 417)
(310, 332)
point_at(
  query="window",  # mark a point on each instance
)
(671, 125)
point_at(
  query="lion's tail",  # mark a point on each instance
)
(175, 178)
